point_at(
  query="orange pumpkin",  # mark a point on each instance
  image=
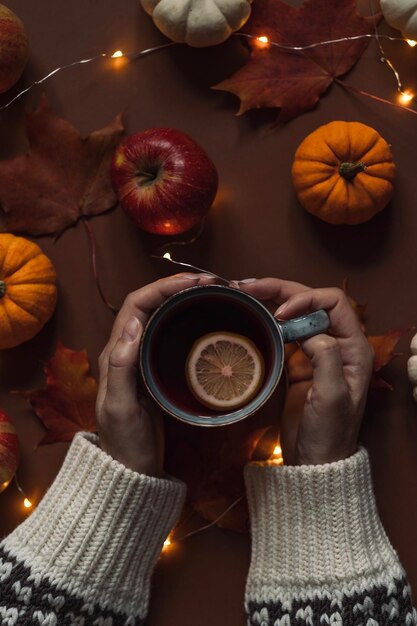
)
(343, 173)
(27, 290)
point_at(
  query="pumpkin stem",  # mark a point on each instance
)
(349, 170)
(2, 288)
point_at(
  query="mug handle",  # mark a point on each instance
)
(305, 326)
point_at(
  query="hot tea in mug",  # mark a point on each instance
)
(189, 324)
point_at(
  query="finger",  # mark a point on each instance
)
(272, 289)
(328, 373)
(121, 379)
(343, 319)
(141, 303)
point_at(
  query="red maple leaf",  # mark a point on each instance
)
(67, 404)
(289, 80)
(60, 178)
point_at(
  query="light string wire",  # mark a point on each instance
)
(26, 502)
(167, 257)
(328, 42)
(276, 457)
(103, 55)
(147, 51)
(163, 252)
(206, 526)
(385, 59)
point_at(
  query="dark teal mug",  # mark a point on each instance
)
(174, 327)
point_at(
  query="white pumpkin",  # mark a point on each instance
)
(412, 366)
(198, 23)
(402, 15)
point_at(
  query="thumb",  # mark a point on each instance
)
(121, 376)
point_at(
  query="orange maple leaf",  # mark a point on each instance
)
(67, 404)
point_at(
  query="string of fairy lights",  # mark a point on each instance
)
(118, 58)
(405, 96)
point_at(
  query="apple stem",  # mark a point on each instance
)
(145, 178)
(2, 288)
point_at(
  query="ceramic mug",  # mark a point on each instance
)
(184, 317)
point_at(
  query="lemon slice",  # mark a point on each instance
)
(224, 370)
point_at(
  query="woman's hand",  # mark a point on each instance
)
(127, 431)
(342, 367)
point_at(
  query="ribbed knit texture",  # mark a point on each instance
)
(318, 543)
(320, 556)
(99, 530)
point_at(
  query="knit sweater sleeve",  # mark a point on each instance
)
(320, 555)
(85, 555)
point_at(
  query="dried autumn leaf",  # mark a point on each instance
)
(293, 81)
(67, 404)
(384, 348)
(60, 178)
(211, 461)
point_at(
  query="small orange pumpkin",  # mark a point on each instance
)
(27, 290)
(343, 173)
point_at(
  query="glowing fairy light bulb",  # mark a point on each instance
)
(117, 54)
(27, 503)
(405, 97)
(277, 455)
(167, 256)
(261, 42)
(167, 544)
(411, 42)
(277, 451)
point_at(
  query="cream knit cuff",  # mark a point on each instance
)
(99, 529)
(315, 525)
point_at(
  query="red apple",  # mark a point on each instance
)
(164, 180)
(14, 49)
(9, 451)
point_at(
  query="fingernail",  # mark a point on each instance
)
(281, 309)
(206, 276)
(190, 276)
(131, 330)
(247, 281)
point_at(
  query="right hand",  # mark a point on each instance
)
(126, 430)
(342, 367)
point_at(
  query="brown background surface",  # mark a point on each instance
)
(256, 228)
